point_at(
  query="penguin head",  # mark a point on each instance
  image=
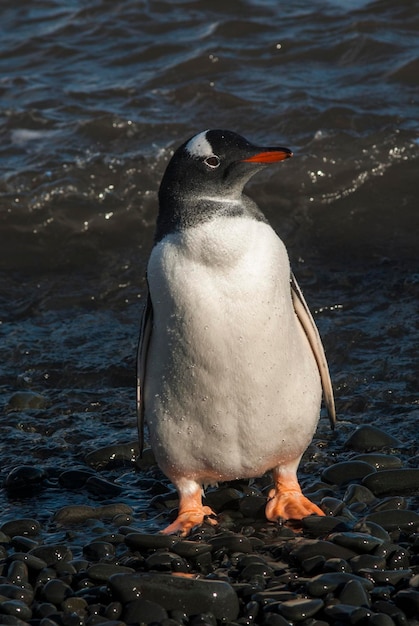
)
(207, 174)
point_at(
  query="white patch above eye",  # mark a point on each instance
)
(199, 146)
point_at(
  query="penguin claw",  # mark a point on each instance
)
(289, 505)
(187, 520)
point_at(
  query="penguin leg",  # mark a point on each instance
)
(286, 500)
(191, 510)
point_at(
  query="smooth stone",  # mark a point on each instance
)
(256, 569)
(75, 514)
(178, 593)
(346, 472)
(11, 620)
(267, 597)
(231, 543)
(56, 591)
(332, 506)
(52, 554)
(368, 561)
(273, 619)
(24, 526)
(322, 584)
(373, 529)
(161, 561)
(317, 525)
(24, 544)
(381, 619)
(314, 564)
(358, 493)
(44, 609)
(312, 547)
(113, 610)
(300, 609)
(74, 479)
(386, 577)
(97, 550)
(116, 455)
(31, 561)
(396, 519)
(17, 573)
(368, 438)
(408, 601)
(16, 592)
(101, 487)
(142, 541)
(336, 565)
(189, 549)
(392, 502)
(399, 559)
(359, 542)
(75, 605)
(101, 572)
(380, 461)
(354, 593)
(17, 608)
(348, 613)
(143, 612)
(393, 482)
(24, 478)
(22, 400)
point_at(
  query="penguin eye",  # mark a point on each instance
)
(212, 161)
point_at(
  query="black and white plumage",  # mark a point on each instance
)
(230, 363)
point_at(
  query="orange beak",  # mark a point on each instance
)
(269, 156)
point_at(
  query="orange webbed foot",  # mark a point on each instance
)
(189, 519)
(286, 501)
(191, 510)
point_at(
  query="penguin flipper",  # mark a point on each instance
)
(143, 343)
(307, 322)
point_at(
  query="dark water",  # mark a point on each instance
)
(94, 97)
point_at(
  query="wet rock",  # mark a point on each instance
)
(23, 400)
(368, 561)
(101, 572)
(300, 608)
(347, 471)
(143, 541)
(98, 550)
(380, 461)
(17, 573)
(116, 455)
(24, 479)
(308, 548)
(408, 601)
(74, 479)
(75, 514)
(143, 612)
(326, 583)
(354, 593)
(393, 482)
(17, 608)
(386, 577)
(396, 519)
(231, 542)
(191, 549)
(358, 493)
(17, 592)
(23, 544)
(24, 526)
(100, 487)
(348, 613)
(32, 562)
(368, 438)
(56, 591)
(52, 554)
(359, 542)
(191, 596)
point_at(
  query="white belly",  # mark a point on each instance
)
(232, 388)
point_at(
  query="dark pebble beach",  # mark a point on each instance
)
(95, 97)
(96, 565)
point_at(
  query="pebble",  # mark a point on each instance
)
(393, 482)
(322, 584)
(300, 608)
(360, 542)
(396, 519)
(177, 593)
(367, 438)
(116, 455)
(380, 461)
(347, 471)
(22, 400)
(24, 526)
(101, 572)
(24, 478)
(75, 514)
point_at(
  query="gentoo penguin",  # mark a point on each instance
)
(230, 363)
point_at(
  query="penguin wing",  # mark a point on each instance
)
(307, 322)
(143, 343)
